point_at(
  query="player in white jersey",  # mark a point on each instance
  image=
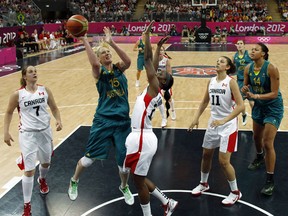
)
(141, 143)
(226, 103)
(35, 135)
(165, 64)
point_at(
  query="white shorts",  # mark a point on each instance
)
(140, 151)
(225, 137)
(36, 145)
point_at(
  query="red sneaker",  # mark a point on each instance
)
(27, 209)
(44, 189)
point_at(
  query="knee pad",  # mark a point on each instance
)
(124, 170)
(86, 162)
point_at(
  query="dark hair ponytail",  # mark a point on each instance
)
(166, 87)
(167, 97)
(265, 49)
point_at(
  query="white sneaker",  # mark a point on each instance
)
(129, 198)
(170, 207)
(173, 115)
(73, 190)
(233, 197)
(137, 84)
(202, 187)
(244, 119)
(164, 123)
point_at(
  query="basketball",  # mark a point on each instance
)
(77, 25)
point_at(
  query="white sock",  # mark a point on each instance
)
(160, 195)
(162, 111)
(27, 187)
(204, 177)
(233, 185)
(43, 171)
(146, 209)
(172, 104)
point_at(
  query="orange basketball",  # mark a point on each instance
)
(77, 25)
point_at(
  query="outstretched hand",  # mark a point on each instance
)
(162, 41)
(148, 29)
(108, 35)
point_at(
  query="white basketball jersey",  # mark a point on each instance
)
(144, 110)
(32, 110)
(162, 63)
(221, 98)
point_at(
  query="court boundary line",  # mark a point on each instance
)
(178, 191)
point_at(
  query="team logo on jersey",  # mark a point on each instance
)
(41, 93)
(194, 71)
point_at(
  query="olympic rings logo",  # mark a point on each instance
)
(203, 37)
(264, 39)
(8, 68)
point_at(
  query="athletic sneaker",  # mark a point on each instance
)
(233, 197)
(164, 123)
(244, 119)
(268, 188)
(202, 187)
(44, 189)
(129, 198)
(173, 115)
(73, 190)
(27, 209)
(256, 164)
(170, 207)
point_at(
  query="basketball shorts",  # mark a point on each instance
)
(104, 134)
(272, 113)
(35, 145)
(141, 147)
(225, 137)
(140, 62)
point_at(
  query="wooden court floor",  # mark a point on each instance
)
(74, 90)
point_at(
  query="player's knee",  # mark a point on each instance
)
(123, 170)
(86, 162)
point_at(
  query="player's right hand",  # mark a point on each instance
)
(8, 139)
(194, 123)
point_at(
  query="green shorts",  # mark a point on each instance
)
(272, 114)
(140, 62)
(104, 134)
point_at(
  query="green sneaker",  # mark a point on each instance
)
(268, 189)
(256, 164)
(73, 189)
(129, 198)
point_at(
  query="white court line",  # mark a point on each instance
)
(179, 191)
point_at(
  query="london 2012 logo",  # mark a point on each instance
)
(198, 71)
